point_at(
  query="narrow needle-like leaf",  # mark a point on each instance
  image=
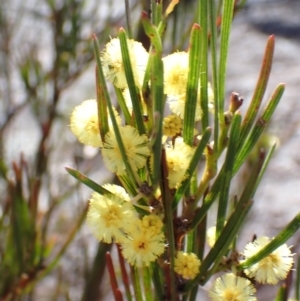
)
(227, 15)
(192, 85)
(259, 90)
(86, 181)
(134, 93)
(228, 171)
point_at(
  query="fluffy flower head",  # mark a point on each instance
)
(177, 106)
(113, 66)
(136, 147)
(211, 236)
(152, 224)
(177, 103)
(232, 288)
(141, 247)
(273, 267)
(178, 160)
(84, 123)
(187, 265)
(110, 215)
(176, 68)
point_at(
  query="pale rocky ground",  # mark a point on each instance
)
(277, 200)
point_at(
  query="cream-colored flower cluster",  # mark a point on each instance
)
(113, 66)
(113, 218)
(230, 287)
(270, 270)
(176, 68)
(179, 156)
(273, 267)
(85, 124)
(136, 148)
(187, 265)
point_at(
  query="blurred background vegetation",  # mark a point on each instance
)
(46, 68)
